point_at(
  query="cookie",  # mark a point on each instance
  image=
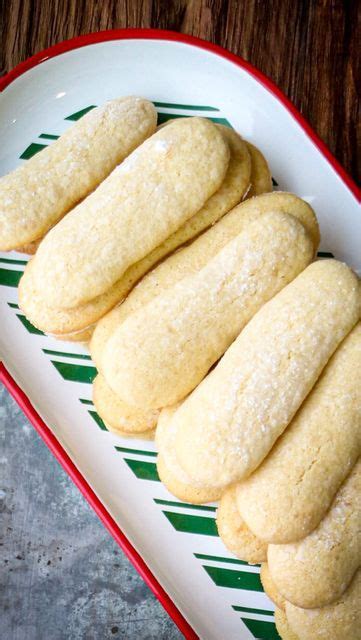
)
(235, 535)
(261, 179)
(159, 186)
(315, 571)
(118, 415)
(230, 422)
(169, 472)
(186, 329)
(270, 588)
(283, 627)
(30, 248)
(37, 194)
(139, 435)
(338, 621)
(290, 493)
(229, 194)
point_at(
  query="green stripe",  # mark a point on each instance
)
(143, 470)
(164, 117)
(139, 451)
(234, 579)
(325, 254)
(32, 150)
(48, 136)
(262, 630)
(10, 261)
(79, 114)
(98, 420)
(13, 305)
(192, 524)
(84, 401)
(190, 107)
(65, 354)
(170, 503)
(202, 556)
(29, 327)
(10, 278)
(75, 372)
(264, 612)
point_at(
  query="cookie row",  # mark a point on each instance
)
(173, 186)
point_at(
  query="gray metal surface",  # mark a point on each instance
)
(62, 576)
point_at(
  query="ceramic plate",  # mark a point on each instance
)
(207, 591)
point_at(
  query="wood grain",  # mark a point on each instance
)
(310, 48)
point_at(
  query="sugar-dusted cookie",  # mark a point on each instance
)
(145, 199)
(270, 588)
(316, 571)
(338, 621)
(118, 415)
(261, 179)
(290, 493)
(283, 627)
(37, 194)
(186, 329)
(230, 422)
(169, 472)
(235, 534)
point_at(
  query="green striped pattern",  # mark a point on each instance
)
(11, 271)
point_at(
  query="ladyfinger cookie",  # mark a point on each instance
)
(316, 571)
(185, 262)
(172, 476)
(37, 194)
(290, 493)
(235, 534)
(230, 422)
(162, 184)
(117, 414)
(184, 330)
(261, 179)
(283, 627)
(338, 621)
(270, 588)
(232, 189)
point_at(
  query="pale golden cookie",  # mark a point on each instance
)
(159, 186)
(235, 534)
(187, 328)
(316, 571)
(139, 435)
(37, 194)
(230, 422)
(270, 588)
(338, 621)
(183, 491)
(30, 248)
(117, 414)
(168, 469)
(290, 493)
(261, 179)
(283, 627)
